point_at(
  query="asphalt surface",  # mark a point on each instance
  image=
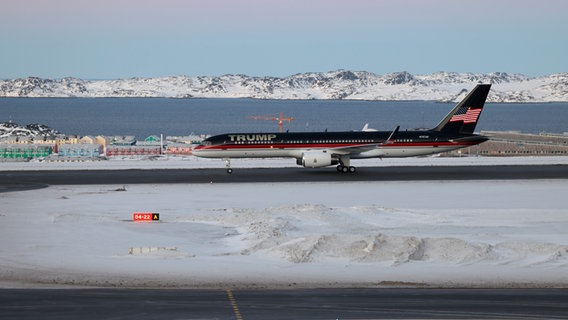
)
(284, 304)
(21, 179)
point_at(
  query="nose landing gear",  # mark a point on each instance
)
(228, 165)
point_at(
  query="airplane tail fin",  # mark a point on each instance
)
(463, 118)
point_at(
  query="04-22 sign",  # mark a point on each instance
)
(145, 216)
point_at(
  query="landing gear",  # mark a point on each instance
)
(228, 165)
(344, 165)
(346, 169)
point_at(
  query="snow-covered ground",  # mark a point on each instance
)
(190, 162)
(437, 233)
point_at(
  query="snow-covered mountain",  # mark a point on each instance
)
(340, 84)
(9, 128)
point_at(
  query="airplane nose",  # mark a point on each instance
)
(201, 151)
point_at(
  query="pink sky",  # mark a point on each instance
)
(270, 37)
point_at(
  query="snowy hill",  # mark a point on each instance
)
(340, 84)
(8, 129)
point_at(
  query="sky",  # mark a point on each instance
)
(112, 39)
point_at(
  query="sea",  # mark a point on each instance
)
(142, 117)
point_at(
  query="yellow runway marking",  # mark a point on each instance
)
(233, 302)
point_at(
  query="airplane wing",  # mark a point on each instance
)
(356, 149)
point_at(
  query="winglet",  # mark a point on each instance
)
(391, 137)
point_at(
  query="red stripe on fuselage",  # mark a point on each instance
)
(332, 145)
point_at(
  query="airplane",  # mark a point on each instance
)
(323, 149)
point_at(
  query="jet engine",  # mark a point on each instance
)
(317, 159)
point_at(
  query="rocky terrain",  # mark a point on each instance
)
(339, 84)
(9, 128)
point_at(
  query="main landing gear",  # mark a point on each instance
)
(344, 165)
(346, 169)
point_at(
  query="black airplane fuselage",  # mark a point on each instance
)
(274, 144)
(321, 149)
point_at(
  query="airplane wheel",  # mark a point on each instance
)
(344, 169)
(352, 169)
(339, 168)
(229, 171)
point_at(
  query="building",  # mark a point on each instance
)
(183, 145)
(15, 152)
(122, 140)
(113, 151)
(179, 148)
(129, 147)
(88, 140)
(507, 144)
(68, 140)
(80, 150)
(45, 140)
(151, 141)
(191, 139)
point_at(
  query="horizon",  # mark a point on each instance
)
(107, 40)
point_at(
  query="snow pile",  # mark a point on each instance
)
(359, 235)
(435, 233)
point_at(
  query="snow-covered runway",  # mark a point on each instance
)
(458, 233)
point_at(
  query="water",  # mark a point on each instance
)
(142, 117)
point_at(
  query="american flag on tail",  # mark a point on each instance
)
(469, 116)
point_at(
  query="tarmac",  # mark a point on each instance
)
(18, 180)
